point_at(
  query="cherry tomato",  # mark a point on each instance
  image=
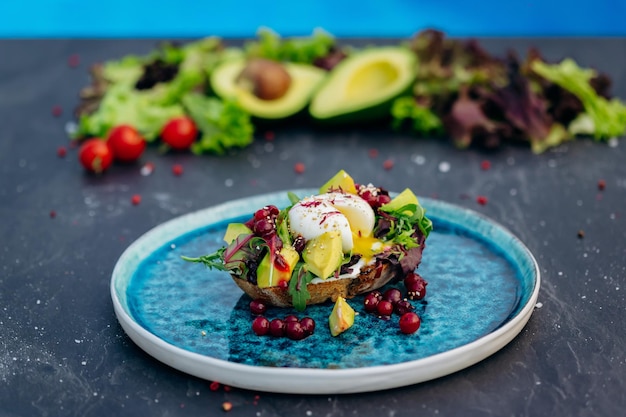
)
(126, 143)
(179, 133)
(95, 155)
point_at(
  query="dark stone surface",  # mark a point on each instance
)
(63, 353)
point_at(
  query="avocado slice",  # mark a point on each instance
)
(305, 79)
(405, 198)
(341, 318)
(270, 276)
(323, 254)
(340, 181)
(234, 230)
(363, 86)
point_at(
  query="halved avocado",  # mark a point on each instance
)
(305, 79)
(364, 85)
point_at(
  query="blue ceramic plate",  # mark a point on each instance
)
(483, 285)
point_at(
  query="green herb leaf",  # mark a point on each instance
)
(298, 286)
(224, 124)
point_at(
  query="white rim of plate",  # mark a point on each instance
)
(308, 380)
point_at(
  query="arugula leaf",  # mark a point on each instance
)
(211, 261)
(234, 257)
(298, 286)
(224, 124)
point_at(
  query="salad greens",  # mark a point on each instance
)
(461, 91)
(602, 118)
(223, 123)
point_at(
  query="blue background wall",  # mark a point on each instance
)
(395, 18)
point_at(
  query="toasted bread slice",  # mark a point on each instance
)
(370, 278)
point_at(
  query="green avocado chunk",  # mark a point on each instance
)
(364, 85)
(341, 318)
(304, 80)
(323, 254)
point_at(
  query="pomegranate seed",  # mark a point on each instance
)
(415, 286)
(135, 199)
(291, 318)
(601, 185)
(299, 168)
(581, 234)
(261, 326)
(409, 323)
(277, 328)
(371, 302)
(402, 307)
(177, 170)
(227, 406)
(373, 153)
(269, 135)
(57, 111)
(485, 165)
(61, 151)
(294, 330)
(308, 324)
(283, 284)
(227, 388)
(384, 308)
(388, 164)
(53, 214)
(73, 60)
(393, 295)
(214, 386)
(258, 307)
(481, 199)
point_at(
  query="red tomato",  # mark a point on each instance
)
(95, 155)
(126, 143)
(179, 133)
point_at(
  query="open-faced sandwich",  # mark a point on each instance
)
(348, 239)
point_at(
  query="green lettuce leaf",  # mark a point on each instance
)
(302, 50)
(608, 117)
(123, 105)
(224, 124)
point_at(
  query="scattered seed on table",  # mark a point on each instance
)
(177, 170)
(601, 185)
(57, 110)
(581, 234)
(485, 165)
(481, 199)
(388, 164)
(73, 60)
(269, 135)
(53, 214)
(373, 153)
(227, 406)
(135, 199)
(147, 169)
(61, 151)
(214, 386)
(299, 168)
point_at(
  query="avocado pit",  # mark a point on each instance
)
(266, 79)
